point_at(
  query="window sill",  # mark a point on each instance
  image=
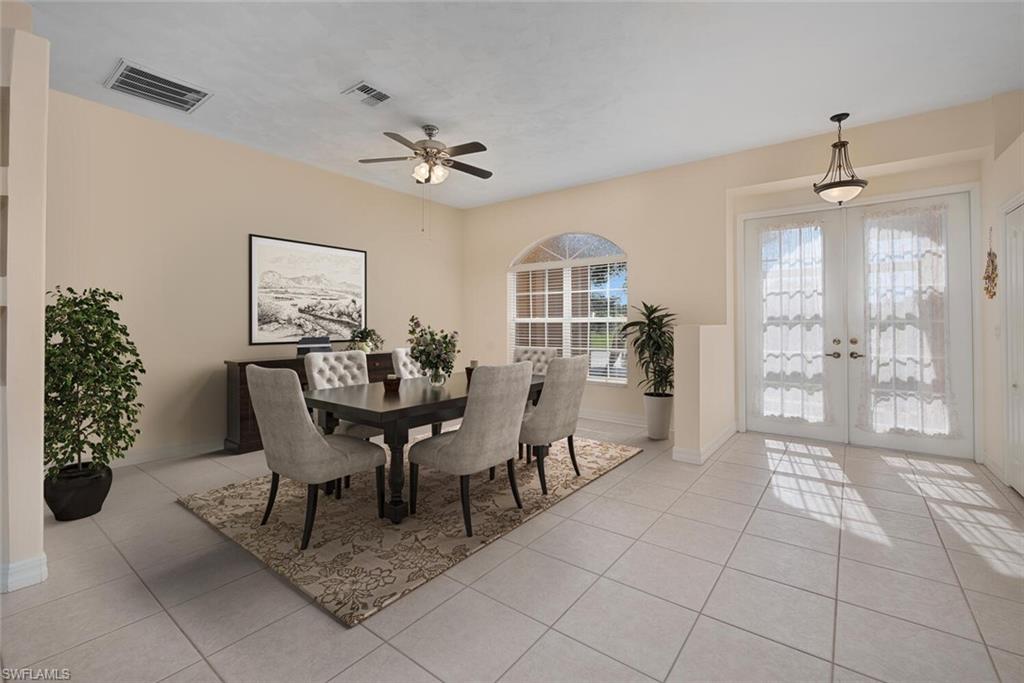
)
(606, 383)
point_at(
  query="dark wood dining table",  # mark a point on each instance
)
(416, 403)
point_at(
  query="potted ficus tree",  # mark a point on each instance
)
(433, 349)
(92, 384)
(652, 340)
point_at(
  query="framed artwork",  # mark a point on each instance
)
(301, 289)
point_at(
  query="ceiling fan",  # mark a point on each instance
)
(435, 157)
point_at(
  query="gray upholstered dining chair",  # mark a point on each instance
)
(296, 449)
(405, 366)
(487, 437)
(540, 356)
(556, 413)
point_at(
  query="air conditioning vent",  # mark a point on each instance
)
(134, 79)
(367, 94)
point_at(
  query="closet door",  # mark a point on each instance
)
(795, 325)
(1012, 288)
(910, 328)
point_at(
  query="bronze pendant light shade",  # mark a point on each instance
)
(840, 182)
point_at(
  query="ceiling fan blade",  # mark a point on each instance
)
(466, 148)
(403, 141)
(466, 168)
(382, 159)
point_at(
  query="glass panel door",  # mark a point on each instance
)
(796, 381)
(909, 306)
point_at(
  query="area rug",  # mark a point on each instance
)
(357, 564)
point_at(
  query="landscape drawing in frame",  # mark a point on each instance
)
(301, 289)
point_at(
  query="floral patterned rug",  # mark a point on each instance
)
(356, 563)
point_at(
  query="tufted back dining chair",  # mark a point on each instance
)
(405, 366)
(487, 437)
(556, 413)
(540, 356)
(336, 369)
(329, 370)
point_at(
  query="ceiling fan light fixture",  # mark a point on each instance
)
(421, 172)
(438, 174)
(840, 182)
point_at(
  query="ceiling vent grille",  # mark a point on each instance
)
(133, 79)
(368, 95)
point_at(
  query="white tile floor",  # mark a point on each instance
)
(776, 560)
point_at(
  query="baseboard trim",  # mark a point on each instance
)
(22, 574)
(617, 418)
(695, 456)
(138, 456)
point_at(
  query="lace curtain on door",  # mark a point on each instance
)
(792, 323)
(906, 387)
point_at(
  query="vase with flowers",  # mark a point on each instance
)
(367, 340)
(434, 350)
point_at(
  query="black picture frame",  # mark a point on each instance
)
(253, 322)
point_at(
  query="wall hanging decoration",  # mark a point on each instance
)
(991, 277)
(840, 182)
(301, 289)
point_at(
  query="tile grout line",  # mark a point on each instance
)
(718, 578)
(963, 594)
(835, 605)
(165, 610)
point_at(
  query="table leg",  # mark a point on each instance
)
(396, 509)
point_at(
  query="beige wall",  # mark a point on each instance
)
(24, 79)
(676, 226)
(182, 262)
(1002, 181)
(163, 215)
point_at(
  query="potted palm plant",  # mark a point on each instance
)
(652, 340)
(433, 349)
(92, 384)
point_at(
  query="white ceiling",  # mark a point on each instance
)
(562, 94)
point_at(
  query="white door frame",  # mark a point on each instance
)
(977, 268)
(1009, 207)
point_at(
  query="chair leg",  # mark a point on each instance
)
(348, 480)
(464, 494)
(274, 479)
(337, 489)
(572, 456)
(520, 451)
(540, 453)
(380, 491)
(311, 493)
(492, 474)
(529, 454)
(414, 478)
(510, 464)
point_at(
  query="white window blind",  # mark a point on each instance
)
(577, 307)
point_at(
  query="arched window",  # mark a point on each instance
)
(569, 292)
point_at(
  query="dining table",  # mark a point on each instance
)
(416, 403)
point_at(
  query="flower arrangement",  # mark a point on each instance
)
(367, 339)
(434, 350)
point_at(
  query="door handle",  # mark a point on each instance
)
(854, 354)
(834, 354)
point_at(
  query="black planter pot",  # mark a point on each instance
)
(78, 491)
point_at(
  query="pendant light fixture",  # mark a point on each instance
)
(840, 182)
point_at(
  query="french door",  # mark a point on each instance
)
(858, 325)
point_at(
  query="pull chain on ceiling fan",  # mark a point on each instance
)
(435, 157)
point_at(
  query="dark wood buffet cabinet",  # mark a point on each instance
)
(243, 431)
